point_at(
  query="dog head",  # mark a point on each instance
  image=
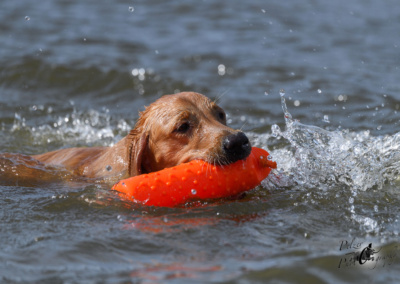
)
(182, 127)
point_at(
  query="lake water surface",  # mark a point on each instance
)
(76, 73)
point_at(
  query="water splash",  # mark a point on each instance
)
(78, 127)
(317, 158)
(351, 173)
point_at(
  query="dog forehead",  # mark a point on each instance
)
(188, 98)
(187, 101)
(169, 109)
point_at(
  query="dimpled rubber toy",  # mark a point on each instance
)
(196, 180)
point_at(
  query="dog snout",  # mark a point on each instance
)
(236, 147)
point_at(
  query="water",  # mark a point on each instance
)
(318, 157)
(76, 74)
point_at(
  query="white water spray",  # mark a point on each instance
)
(317, 158)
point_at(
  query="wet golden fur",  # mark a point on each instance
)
(174, 129)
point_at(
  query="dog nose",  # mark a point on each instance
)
(236, 147)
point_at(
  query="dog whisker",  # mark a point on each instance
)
(221, 95)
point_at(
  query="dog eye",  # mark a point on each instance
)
(183, 128)
(221, 115)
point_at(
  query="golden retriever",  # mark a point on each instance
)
(174, 129)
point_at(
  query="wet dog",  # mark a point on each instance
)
(174, 129)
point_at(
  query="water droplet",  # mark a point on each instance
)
(108, 168)
(319, 91)
(269, 157)
(27, 18)
(351, 200)
(221, 69)
(131, 9)
(276, 131)
(376, 208)
(379, 127)
(266, 93)
(194, 192)
(326, 118)
(296, 103)
(288, 116)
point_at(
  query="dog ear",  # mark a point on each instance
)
(136, 151)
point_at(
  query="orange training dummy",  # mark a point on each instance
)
(196, 180)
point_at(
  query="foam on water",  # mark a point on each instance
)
(89, 127)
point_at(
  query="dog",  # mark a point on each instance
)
(174, 129)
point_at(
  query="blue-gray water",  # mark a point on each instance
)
(77, 73)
